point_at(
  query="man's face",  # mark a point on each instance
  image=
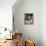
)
(29, 17)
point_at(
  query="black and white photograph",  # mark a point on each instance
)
(28, 18)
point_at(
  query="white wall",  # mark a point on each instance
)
(39, 27)
(30, 31)
(43, 22)
(6, 13)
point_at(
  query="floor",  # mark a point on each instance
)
(9, 43)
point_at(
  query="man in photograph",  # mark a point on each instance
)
(28, 18)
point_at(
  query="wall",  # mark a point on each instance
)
(6, 13)
(32, 32)
(43, 22)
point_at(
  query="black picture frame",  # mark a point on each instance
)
(28, 18)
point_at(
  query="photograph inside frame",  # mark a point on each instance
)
(28, 18)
